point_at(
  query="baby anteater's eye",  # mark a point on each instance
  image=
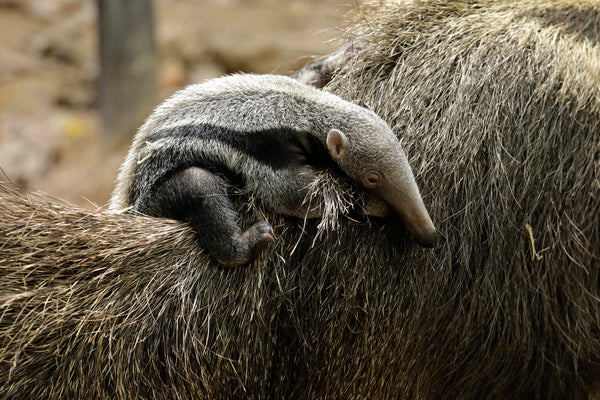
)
(372, 179)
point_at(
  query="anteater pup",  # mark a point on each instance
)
(267, 134)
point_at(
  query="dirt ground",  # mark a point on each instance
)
(50, 136)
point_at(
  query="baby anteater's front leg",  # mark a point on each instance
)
(200, 198)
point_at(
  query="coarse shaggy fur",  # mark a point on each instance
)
(103, 305)
(498, 107)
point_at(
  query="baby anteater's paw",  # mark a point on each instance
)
(250, 243)
(256, 238)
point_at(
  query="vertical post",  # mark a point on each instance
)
(128, 87)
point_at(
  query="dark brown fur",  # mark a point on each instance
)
(499, 102)
(498, 107)
(98, 305)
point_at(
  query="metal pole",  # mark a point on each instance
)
(127, 47)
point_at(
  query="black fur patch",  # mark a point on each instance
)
(277, 148)
(164, 163)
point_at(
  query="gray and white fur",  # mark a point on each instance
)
(266, 134)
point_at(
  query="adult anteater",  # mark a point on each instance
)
(498, 105)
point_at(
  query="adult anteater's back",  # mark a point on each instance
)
(498, 105)
(98, 305)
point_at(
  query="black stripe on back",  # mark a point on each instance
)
(151, 173)
(277, 148)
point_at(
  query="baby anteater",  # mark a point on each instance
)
(268, 135)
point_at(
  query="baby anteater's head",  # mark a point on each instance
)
(371, 154)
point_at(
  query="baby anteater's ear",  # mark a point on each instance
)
(337, 144)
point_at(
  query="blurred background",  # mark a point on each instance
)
(51, 104)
